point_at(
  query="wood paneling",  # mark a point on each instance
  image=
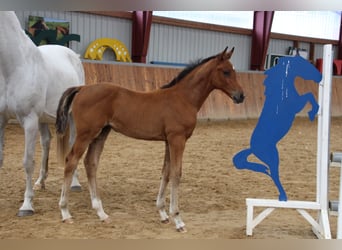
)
(218, 105)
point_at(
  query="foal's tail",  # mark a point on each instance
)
(62, 123)
(63, 109)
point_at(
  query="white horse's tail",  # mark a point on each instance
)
(80, 70)
(75, 60)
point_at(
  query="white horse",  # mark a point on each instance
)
(32, 79)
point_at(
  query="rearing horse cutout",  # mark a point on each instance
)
(282, 103)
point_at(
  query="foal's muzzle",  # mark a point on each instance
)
(238, 97)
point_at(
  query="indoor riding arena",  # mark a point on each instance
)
(212, 191)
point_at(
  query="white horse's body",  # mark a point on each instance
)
(32, 79)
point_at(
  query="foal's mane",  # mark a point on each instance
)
(186, 71)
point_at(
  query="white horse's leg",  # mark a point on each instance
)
(75, 184)
(30, 124)
(91, 162)
(163, 184)
(177, 145)
(45, 139)
(3, 123)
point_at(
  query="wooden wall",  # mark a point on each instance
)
(218, 105)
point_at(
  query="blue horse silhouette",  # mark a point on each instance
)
(282, 103)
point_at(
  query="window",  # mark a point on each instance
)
(316, 24)
(240, 19)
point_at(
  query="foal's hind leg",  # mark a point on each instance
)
(163, 184)
(45, 139)
(72, 159)
(91, 162)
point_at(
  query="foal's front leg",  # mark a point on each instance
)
(177, 145)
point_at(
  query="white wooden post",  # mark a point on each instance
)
(323, 140)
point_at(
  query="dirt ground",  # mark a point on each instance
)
(212, 191)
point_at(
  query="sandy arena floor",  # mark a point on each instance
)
(212, 191)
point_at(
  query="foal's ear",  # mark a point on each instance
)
(230, 53)
(224, 55)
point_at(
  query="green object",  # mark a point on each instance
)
(50, 37)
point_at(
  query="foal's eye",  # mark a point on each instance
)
(226, 72)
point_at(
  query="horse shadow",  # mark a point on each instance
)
(282, 103)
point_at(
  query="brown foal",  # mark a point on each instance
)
(168, 114)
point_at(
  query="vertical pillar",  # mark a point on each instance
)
(260, 38)
(141, 26)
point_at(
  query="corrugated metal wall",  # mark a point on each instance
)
(183, 45)
(279, 47)
(167, 43)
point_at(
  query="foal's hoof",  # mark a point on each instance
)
(24, 213)
(68, 221)
(76, 189)
(181, 230)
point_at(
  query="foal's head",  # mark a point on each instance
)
(223, 76)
